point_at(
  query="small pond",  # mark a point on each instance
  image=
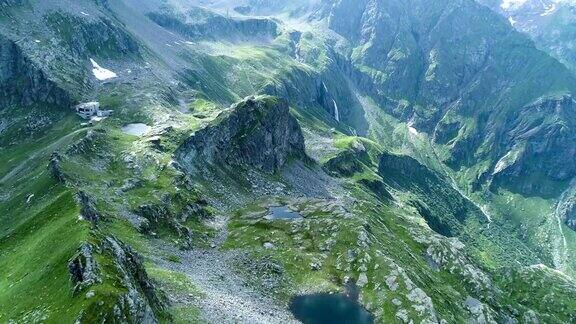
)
(282, 212)
(329, 308)
(137, 129)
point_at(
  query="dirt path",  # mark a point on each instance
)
(228, 299)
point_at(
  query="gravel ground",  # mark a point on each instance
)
(228, 299)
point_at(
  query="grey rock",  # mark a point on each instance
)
(257, 132)
(142, 301)
(34, 85)
(83, 268)
(315, 266)
(55, 169)
(159, 215)
(88, 208)
(215, 26)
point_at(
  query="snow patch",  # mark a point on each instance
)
(506, 161)
(512, 4)
(101, 73)
(413, 131)
(549, 10)
(512, 21)
(84, 14)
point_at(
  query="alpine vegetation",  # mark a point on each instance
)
(304, 161)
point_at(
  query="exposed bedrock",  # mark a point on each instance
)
(257, 132)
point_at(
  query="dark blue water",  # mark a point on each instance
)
(282, 212)
(329, 309)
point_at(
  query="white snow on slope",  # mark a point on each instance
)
(549, 10)
(101, 73)
(510, 4)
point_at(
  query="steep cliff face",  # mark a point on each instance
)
(550, 23)
(100, 37)
(443, 207)
(22, 82)
(201, 24)
(137, 301)
(539, 143)
(257, 133)
(326, 90)
(457, 71)
(571, 215)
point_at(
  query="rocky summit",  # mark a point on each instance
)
(257, 133)
(305, 161)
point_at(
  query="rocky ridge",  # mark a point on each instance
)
(258, 132)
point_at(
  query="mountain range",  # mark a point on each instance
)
(388, 161)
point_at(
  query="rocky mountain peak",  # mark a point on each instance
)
(258, 132)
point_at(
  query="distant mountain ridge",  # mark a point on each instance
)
(550, 23)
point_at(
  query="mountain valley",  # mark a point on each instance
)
(411, 158)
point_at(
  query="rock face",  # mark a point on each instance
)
(83, 269)
(99, 38)
(160, 215)
(440, 65)
(550, 23)
(442, 206)
(22, 83)
(87, 208)
(305, 88)
(203, 24)
(257, 132)
(55, 169)
(141, 301)
(540, 143)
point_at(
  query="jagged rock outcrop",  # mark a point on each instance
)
(87, 143)
(87, 208)
(24, 83)
(345, 164)
(160, 216)
(539, 143)
(142, 301)
(139, 300)
(55, 169)
(257, 133)
(83, 268)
